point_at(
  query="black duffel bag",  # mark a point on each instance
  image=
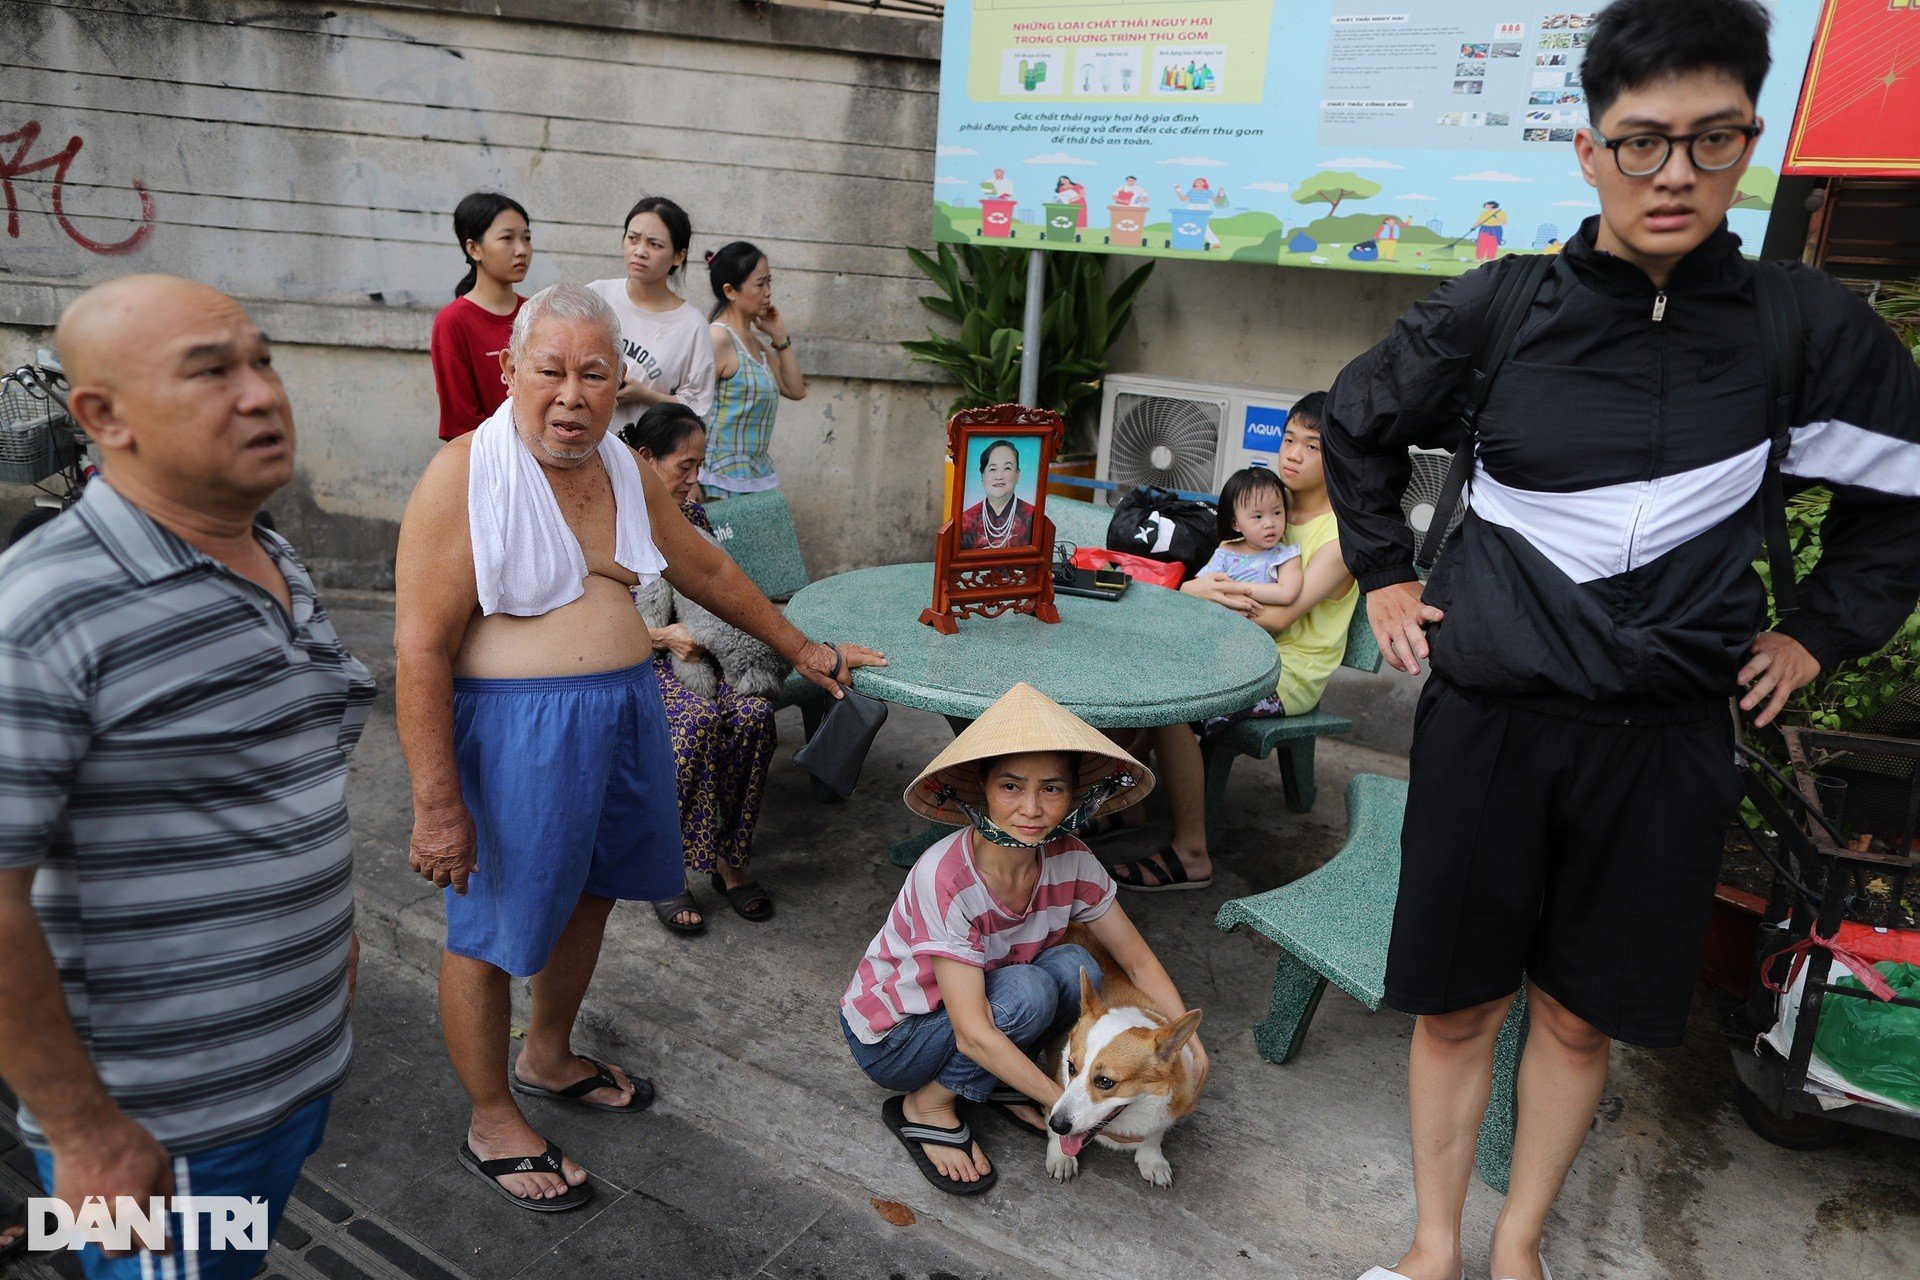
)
(1159, 524)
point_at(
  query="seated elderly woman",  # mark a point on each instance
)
(721, 745)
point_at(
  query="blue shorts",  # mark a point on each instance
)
(265, 1166)
(570, 780)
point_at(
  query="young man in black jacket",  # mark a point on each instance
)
(1572, 775)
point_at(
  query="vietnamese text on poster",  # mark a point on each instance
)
(1352, 134)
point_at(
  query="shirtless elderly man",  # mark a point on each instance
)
(543, 776)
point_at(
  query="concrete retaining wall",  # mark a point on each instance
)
(306, 159)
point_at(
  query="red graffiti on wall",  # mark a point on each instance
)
(16, 165)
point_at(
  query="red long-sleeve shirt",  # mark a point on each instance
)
(465, 350)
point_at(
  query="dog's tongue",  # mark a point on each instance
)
(1072, 1142)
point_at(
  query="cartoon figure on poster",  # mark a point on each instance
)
(1001, 486)
(1491, 228)
(1067, 191)
(1200, 198)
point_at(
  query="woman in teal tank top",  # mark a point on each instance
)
(753, 376)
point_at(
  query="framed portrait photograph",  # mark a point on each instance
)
(993, 553)
(999, 483)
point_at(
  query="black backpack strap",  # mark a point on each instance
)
(1508, 311)
(1777, 312)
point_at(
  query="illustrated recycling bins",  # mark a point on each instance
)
(1126, 224)
(1190, 228)
(1062, 219)
(996, 218)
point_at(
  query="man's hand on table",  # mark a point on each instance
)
(830, 666)
(443, 848)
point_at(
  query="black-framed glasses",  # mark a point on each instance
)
(1641, 155)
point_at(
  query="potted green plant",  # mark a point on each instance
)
(1878, 694)
(982, 293)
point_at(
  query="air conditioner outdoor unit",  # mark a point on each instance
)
(1186, 435)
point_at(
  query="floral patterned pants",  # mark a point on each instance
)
(721, 752)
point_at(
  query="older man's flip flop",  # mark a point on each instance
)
(1166, 866)
(548, 1161)
(574, 1095)
(913, 1134)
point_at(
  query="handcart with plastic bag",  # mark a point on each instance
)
(1829, 1036)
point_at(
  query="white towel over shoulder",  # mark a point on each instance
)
(526, 561)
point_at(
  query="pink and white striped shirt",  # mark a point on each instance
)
(946, 910)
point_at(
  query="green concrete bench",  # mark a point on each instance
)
(756, 529)
(1292, 736)
(1333, 924)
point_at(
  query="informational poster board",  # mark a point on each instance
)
(1363, 135)
(1860, 114)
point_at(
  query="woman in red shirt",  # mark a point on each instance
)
(471, 331)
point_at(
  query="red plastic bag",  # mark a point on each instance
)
(1160, 573)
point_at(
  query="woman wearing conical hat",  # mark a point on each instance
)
(970, 975)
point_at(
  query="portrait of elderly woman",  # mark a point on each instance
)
(1000, 511)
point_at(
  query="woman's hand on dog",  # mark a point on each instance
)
(677, 640)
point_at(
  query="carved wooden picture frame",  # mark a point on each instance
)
(994, 553)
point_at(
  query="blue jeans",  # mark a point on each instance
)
(263, 1166)
(1031, 1004)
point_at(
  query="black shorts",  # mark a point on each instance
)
(1581, 854)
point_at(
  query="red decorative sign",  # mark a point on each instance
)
(1860, 106)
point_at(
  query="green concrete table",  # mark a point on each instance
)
(1152, 657)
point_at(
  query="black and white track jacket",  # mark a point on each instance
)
(1605, 563)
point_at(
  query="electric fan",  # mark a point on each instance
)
(1420, 501)
(1163, 441)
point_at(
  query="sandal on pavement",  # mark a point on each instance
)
(912, 1135)
(748, 899)
(1098, 829)
(668, 908)
(575, 1093)
(548, 1161)
(1381, 1273)
(1166, 865)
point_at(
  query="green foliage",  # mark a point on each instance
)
(1756, 189)
(1898, 303)
(1251, 224)
(1268, 250)
(1348, 228)
(982, 294)
(1331, 186)
(1856, 691)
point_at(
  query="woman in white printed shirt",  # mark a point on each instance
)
(669, 355)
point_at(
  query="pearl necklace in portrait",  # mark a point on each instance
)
(999, 535)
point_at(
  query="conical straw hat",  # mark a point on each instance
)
(1023, 720)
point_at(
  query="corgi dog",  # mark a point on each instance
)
(1128, 1073)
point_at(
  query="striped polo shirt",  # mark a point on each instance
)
(173, 760)
(946, 911)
